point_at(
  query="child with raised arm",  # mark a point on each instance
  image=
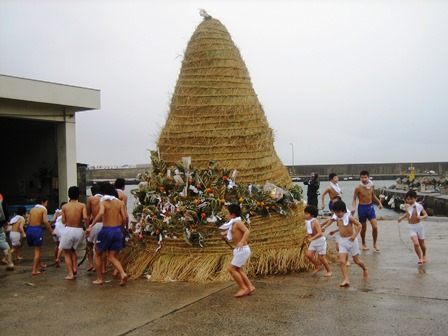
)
(348, 244)
(414, 213)
(110, 238)
(34, 234)
(238, 232)
(365, 193)
(333, 191)
(17, 232)
(74, 214)
(316, 240)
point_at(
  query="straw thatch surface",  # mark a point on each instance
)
(215, 113)
(215, 116)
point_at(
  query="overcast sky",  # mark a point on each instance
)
(343, 81)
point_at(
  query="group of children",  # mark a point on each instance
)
(348, 227)
(105, 218)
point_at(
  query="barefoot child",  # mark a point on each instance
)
(415, 213)
(58, 228)
(74, 214)
(17, 232)
(238, 232)
(316, 240)
(34, 235)
(348, 244)
(93, 208)
(110, 239)
(333, 191)
(365, 193)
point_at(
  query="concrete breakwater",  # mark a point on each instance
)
(435, 204)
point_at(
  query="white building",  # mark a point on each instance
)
(38, 137)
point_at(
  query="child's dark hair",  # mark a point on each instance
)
(234, 209)
(108, 189)
(119, 183)
(21, 211)
(312, 210)
(364, 173)
(41, 199)
(339, 206)
(73, 193)
(95, 189)
(332, 175)
(411, 194)
(336, 198)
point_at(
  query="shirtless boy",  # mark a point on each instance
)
(238, 232)
(74, 214)
(59, 227)
(17, 232)
(364, 192)
(415, 213)
(38, 216)
(333, 191)
(348, 244)
(93, 207)
(316, 240)
(110, 239)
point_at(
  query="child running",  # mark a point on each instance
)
(415, 213)
(316, 240)
(17, 232)
(110, 239)
(238, 232)
(348, 244)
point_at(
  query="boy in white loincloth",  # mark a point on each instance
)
(58, 228)
(348, 243)
(316, 240)
(17, 232)
(415, 213)
(238, 232)
(74, 214)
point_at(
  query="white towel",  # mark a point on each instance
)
(15, 219)
(368, 185)
(228, 226)
(309, 226)
(108, 198)
(40, 206)
(336, 187)
(345, 218)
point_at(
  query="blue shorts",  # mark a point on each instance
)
(366, 212)
(110, 238)
(330, 205)
(34, 236)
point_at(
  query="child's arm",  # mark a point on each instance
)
(405, 215)
(323, 197)
(376, 199)
(358, 227)
(355, 196)
(318, 229)
(425, 214)
(21, 230)
(326, 224)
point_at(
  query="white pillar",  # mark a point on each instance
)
(67, 169)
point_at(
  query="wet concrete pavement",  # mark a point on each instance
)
(399, 298)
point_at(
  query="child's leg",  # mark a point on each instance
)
(417, 249)
(374, 224)
(36, 261)
(324, 262)
(317, 265)
(234, 271)
(421, 242)
(90, 256)
(363, 235)
(361, 264)
(8, 258)
(58, 257)
(113, 258)
(247, 281)
(69, 263)
(98, 267)
(342, 263)
(75, 262)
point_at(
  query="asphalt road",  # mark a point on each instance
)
(399, 298)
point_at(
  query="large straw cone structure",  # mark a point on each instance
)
(215, 115)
